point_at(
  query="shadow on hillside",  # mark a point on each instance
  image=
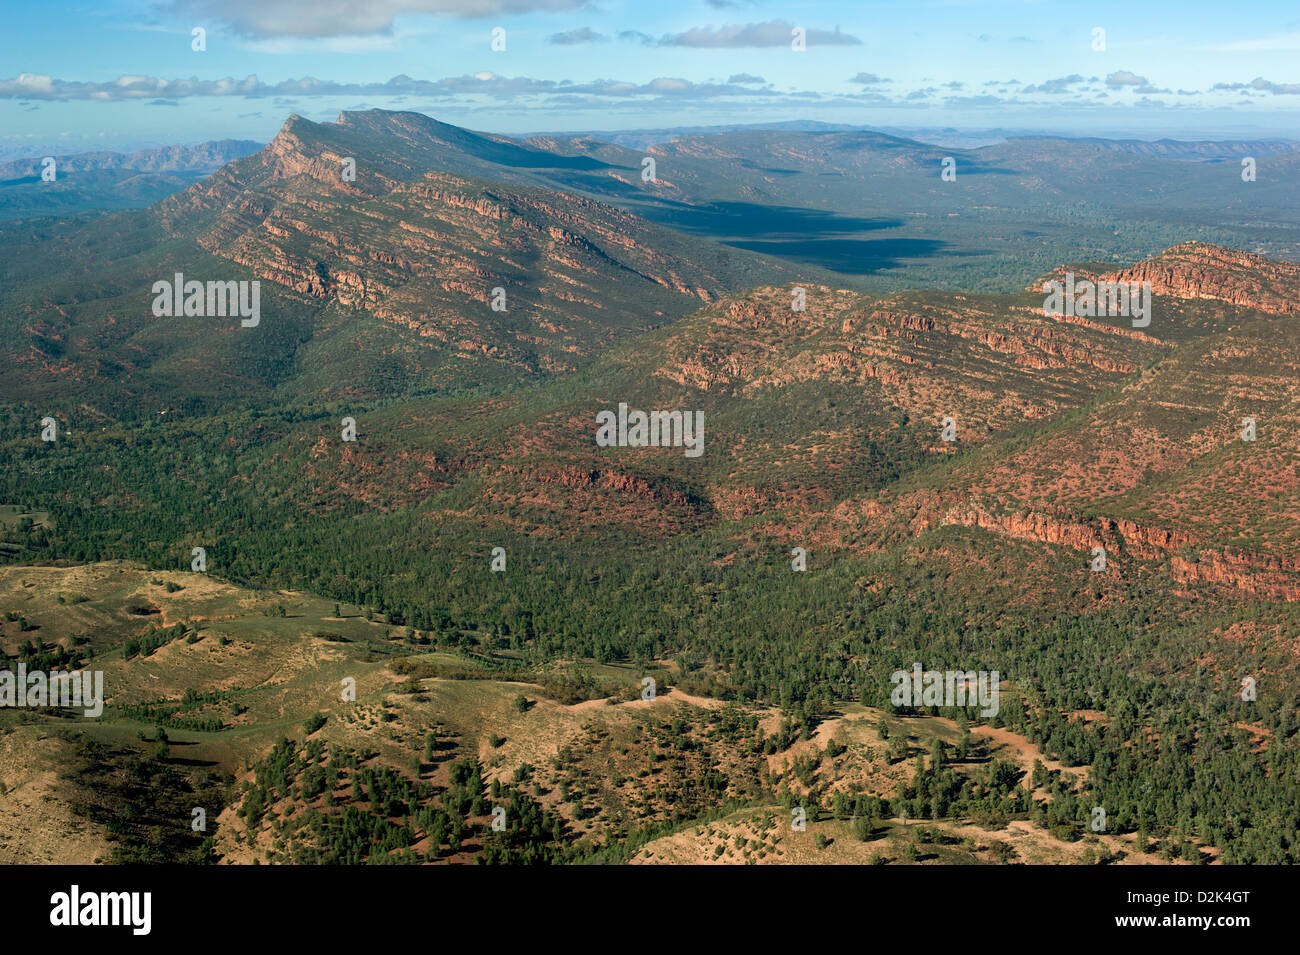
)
(847, 256)
(807, 236)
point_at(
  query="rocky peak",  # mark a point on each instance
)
(1199, 270)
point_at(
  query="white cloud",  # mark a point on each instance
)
(740, 35)
(347, 18)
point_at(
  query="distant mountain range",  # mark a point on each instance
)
(110, 180)
(1200, 150)
(641, 138)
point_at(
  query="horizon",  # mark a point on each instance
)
(561, 66)
(956, 137)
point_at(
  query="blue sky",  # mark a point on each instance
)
(124, 75)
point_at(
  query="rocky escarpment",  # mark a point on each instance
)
(1198, 270)
(1188, 559)
(991, 364)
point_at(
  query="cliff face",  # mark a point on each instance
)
(1189, 560)
(1198, 270)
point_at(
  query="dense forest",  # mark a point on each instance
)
(1172, 756)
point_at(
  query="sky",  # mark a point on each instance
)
(126, 74)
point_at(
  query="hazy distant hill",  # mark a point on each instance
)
(1200, 151)
(110, 180)
(641, 138)
(201, 157)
